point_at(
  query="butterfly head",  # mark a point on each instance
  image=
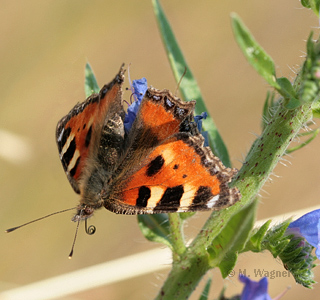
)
(83, 212)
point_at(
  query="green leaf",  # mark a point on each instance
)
(254, 53)
(297, 257)
(286, 88)
(155, 228)
(223, 297)
(267, 110)
(311, 53)
(308, 78)
(289, 94)
(313, 133)
(309, 91)
(205, 293)
(312, 4)
(316, 112)
(274, 240)
(188, 86)
(90, 83)
(255, 241)
(293, 103)
(186, 215)
(264, 65)
(306, 3)
(224, 249)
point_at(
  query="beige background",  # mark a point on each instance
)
(44, 47)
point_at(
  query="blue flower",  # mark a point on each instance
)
(198, 121)
(254, 290)
(308, 227)
(138, 88)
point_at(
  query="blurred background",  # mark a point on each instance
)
(44, 48)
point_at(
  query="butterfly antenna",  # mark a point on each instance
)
(129, 78)
(57, 212)
(178, 85)
(131, 87)
(75, 236)
(91, 229)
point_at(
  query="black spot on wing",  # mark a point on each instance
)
(155, 166)
(144, 195)
(203, 195)
(170, 199)
(74, 169)
(67, 156)
(88, 137)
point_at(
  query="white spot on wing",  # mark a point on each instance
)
(188, 195)
(156, 194)
(212, 201)
(60, 135)
(168, 156)
(66, 145)
(74, 160)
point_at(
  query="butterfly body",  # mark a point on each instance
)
(159, 165)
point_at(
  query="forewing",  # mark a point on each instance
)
(166, 167)
(78, 133)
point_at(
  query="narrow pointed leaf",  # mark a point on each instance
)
(224, 250)
(267, 109)
(90, 83)
(188, 86)
(254, 53)
(314, 134)
(205, 293)
(255, 242)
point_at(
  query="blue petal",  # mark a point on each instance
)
(308, 227)
(318, 245)
(254, 290)
(198, 121)
(138, 88)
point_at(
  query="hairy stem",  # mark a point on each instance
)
(262, 158)
(176, 236)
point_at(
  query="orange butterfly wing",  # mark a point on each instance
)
(168, 170)
(79, 132)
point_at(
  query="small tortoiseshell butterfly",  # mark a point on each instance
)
(156, 165)
(149, 160)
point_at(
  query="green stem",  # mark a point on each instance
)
(176, 236)
(262, 158)
(184, 276)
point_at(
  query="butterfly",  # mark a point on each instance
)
(157, 163)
